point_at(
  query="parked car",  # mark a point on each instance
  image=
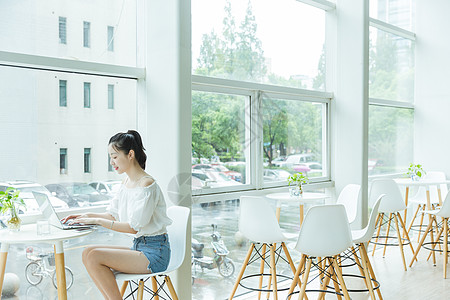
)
(108, 188)
(26, 189)
(211, 179)
(219, 168)
(77, 194)
(275, 175)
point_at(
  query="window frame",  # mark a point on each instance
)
(62, 30)
(62, 93)
(86, 94)
(87, 166)
(86, 34)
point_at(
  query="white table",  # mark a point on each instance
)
(28, 235)
(305, 198)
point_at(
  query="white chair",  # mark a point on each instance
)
(389, 209)
(258, 223)
(360, 237)
(444, 213)
(325, 233)
(420, 198)
(350, 197)
(177, 239)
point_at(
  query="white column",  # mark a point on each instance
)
(347, 75)
(168, 105)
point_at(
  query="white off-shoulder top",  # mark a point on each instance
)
(144, 208)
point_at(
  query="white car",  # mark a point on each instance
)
(26, 189)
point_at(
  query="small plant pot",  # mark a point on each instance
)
(14, 221)
(295, 191)
(415, 178)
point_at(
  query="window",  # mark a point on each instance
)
(241, 40)
(219, 142)
(86, 34)
(110, 96)
(63, 160)
(63, 93)
(87, 160)
(110, 38)
(294, 138)
(62, 30)
(87, 94)
(391, 139)
(399, 13)
(391, 66)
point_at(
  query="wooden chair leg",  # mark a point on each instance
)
(297, 275)
(405, 232)
(400, 243)
(241, 273)
(261, 269)
(274, 271)
(380, 220)
(140, 293)
(445, 246)
(369, 265)
(420, 243)
(170, 287)
(155, 288)
(413, 219)
(333, 273)
(326, 279)
(289, 259)
(422, 215)
(387, 234)
(123, 288)
(367, 277)
(436, 240)
(341, 280)
(305, 278)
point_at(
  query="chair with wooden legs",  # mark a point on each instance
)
(258, 223)
(360, 238)
(177, 238)
(443, 228)
(325, 233)
(420, 199)
(389, 211)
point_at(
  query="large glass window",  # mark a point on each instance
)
(49, 139)
(391, 67)
(294, 138)
(219, 143)
(391, 139)
(280, 42)
(399, 13)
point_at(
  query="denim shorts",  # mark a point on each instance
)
(157, 250)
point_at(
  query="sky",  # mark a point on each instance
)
(292, 33)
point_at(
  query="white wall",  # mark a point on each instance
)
(432, 102)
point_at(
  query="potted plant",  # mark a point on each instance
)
(296, 181)
(415, 172)
(9, 202)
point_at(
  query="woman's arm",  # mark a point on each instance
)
(109, 223)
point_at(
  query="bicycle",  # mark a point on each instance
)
(43, 265)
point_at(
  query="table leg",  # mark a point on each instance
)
(301, 214)
(277, 212)
(439, 196)
(3, 255)
(60, 271)
(406, 202)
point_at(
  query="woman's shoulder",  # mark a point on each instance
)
(147, 181)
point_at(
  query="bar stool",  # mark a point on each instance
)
(444, 213)
(325, 233)
(258, 223)
(421, 199)
(391, 205)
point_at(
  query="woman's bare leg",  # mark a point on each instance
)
(100, 261)
(84, 256)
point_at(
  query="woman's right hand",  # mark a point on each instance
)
(73, 217)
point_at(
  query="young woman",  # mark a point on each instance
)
(138, 208)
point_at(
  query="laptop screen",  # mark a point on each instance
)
(47, 209)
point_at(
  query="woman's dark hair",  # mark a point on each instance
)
(131, 140)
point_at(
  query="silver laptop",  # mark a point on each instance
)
(49, 213)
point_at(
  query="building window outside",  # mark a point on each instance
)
(87, 160)
(63, 160)
(110, 96)
(86, 34)
(110, 38)
(87, 94)
(63, 93)
(62, 30)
